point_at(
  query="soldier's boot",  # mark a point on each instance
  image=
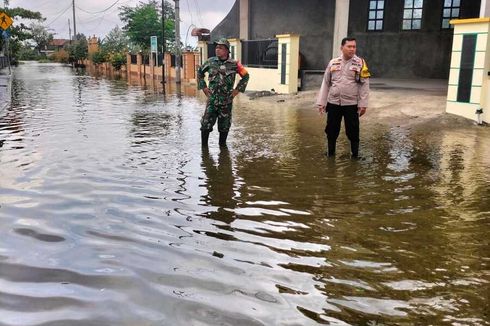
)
(331, 148)
(354, 147)
(222, 138)
(204, 138)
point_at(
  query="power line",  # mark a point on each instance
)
(199, 13)
(190, 12)
(99, 12)
(96, 27)
(60, 14)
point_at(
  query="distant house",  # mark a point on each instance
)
(58, 43)
(55, 45)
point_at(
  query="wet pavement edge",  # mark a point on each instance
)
(5, 89)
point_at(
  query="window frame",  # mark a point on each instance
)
(451, 17)
(376, 19)
(412, 19)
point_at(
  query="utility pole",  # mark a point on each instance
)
(69, 29)
(163, 45)
(74, 22)
(177, 41)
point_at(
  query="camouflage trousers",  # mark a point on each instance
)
(222, 113)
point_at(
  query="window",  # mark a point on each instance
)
(376, 14)
(450, 11)
(412, 14)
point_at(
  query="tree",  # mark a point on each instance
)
(26, 52)
(99, 57)
(40, 36)
(144, 21)
(20, 32)
(118, 60)
(115, 41)
(78, 49)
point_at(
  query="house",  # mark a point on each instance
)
(58, 44)
(55, 45)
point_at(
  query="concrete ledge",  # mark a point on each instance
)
(5, 90)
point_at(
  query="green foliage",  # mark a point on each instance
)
(118, 60)
(115, 41)
(40, 36)
(27, 53)
(19, 31)
(78, 50)
(99, 57)
(144, 21)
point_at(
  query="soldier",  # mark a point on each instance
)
(344, 93)
(221, 71)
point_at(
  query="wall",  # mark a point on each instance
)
(395, 53)
(312, 20)
(263, 79)
(391, 53)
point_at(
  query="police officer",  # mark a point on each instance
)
(344, 94)
(221, 71)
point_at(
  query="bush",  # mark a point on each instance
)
(118, 60)
(99, 57)
(60, 56)
(28, 54)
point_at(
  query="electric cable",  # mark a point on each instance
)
(59, 15)
(98, 12)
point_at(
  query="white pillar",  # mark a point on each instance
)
(203, 51)
(485, 8)
(291, 64)
(236, 45)
(244, 19)
(341, 24)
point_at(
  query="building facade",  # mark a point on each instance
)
(398, 38)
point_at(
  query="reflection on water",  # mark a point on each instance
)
(113, 214)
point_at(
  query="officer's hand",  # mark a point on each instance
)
(361, 111)
(321, 108)
(235, 92)
(206, 91)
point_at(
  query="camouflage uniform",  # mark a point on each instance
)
(221, 77)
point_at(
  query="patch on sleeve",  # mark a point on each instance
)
(365, 70)
(241, 69)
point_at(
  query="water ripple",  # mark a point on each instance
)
(113, 214)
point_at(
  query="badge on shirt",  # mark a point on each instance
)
(355, 68)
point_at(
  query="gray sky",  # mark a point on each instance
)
(94, 18)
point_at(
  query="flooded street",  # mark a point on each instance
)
(112, 214)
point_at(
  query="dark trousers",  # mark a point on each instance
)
(335, 113)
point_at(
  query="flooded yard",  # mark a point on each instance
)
(112, 214)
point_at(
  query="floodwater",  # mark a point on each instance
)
(112, 214)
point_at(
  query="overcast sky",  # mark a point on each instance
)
(94, 17)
